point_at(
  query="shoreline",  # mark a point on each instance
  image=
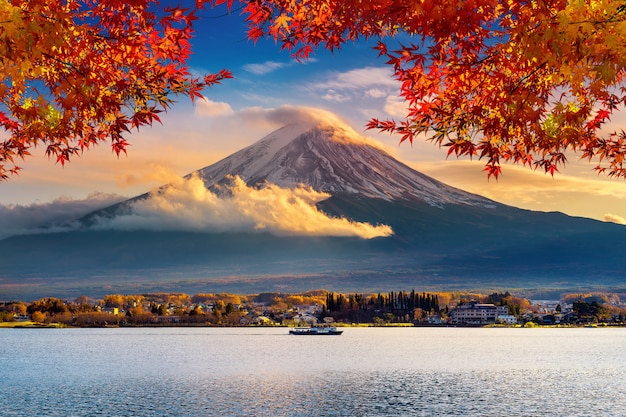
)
(52, 325)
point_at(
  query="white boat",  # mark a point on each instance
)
(315, 330)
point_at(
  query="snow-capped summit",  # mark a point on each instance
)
(333, 159)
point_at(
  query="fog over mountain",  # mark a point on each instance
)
(311, 205)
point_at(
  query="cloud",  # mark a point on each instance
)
(576, 191)
(50, 217)
(375, 93)
(267, 118)
(361, 78)
(264, 68)
(271, 66)
(306, 117)
(332, 95)
(614, 218)
(206, 107)
(395, 106)
(188, 205)
(372, 83)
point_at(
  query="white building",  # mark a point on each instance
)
(477, 313)
(506, 319)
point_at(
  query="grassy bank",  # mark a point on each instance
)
(28, 325)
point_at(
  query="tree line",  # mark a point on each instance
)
(401, 307)
(283, 308)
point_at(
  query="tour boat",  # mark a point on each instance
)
(315, 330)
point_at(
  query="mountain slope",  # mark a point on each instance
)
(333, 159)
(444, 238)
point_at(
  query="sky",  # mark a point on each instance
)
(353, 84)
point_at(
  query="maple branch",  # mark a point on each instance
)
(527, 77)
(65, 64)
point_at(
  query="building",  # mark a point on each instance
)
(506, 319)
(477, 313)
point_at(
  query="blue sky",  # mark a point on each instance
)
(353, 83)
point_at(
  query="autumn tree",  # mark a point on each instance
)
(503, 80)
(138, 315)
(122, 301)
(9, 310)
(179, 299)
(38, 316)
(50, 306)
(14, 307)
(114, 301)
(77, 73)
(82, 304)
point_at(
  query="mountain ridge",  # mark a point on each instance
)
(329, 159)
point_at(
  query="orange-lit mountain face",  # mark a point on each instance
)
(313, 206)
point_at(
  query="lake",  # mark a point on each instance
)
(266, 372)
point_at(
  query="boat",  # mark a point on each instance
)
(316, 330)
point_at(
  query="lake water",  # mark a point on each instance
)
(266, 372)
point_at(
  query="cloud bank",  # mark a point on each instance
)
(50, 217)
(187, 205)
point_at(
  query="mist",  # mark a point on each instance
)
(16, 219)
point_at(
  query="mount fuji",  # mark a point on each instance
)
(312, 206)
(332, 159)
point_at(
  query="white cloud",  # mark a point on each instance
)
(274, 118)
(269, 119)
(264, 68)
(188, 205)
(375, 93)
(332, 95)
(206, 107)
(395, 106)
(369, 83)
(363, 79)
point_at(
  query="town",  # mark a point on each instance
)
(310, 308)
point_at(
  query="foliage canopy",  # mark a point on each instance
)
(504, 80)
(80, 72)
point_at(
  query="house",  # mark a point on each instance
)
(305, 319)
(263, 321)
(22, 317)
(307, 308)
